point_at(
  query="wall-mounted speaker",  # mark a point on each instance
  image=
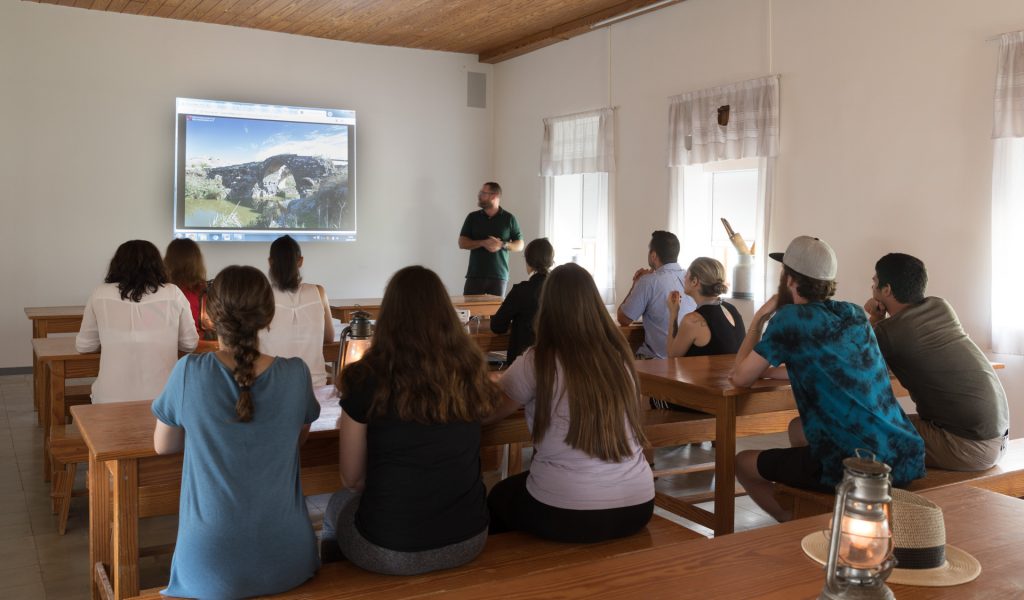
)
(476, 90)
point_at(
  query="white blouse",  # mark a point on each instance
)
(140, 340)
(298, 330)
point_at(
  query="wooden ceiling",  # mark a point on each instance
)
(495, 30)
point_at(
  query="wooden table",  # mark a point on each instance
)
(47, 320)
(702, 383)
(59, 361)
(498, 342)
(129, 481)
(480, 305)
(768, 563)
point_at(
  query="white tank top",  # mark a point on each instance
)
(298, 329)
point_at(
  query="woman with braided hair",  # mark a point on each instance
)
(240, 416)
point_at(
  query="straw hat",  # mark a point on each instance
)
(922, 555)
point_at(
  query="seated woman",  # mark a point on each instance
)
(302, 318)
(240, 416)
(140, 320)
(715, 327)
(185, 269)
(414, 500)
(589, 480)
(520, 305)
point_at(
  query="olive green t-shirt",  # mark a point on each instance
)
(949, 378)
(478, 226)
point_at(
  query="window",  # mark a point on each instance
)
(576, 223)
(707, 193)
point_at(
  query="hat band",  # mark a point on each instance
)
(920, 558)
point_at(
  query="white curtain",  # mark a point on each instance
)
(696, 137)
(579, 143)
(1008, 197)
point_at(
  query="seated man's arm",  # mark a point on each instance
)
(632, 308)
(751, 366)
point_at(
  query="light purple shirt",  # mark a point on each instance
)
(562, 476)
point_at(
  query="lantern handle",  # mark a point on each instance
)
(842, 491)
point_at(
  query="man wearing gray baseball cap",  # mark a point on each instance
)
(827, 349)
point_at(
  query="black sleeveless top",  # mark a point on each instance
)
(725, 337)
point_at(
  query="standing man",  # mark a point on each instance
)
(961, 406)
(489, 234)
(648, 298)
(839, 380)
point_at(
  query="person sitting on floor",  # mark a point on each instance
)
(715, 327)
(140, 320)
(961, 406)
(302, 318)
(839, 379)
(520, 306)
(411, 409)
(589, 480)
(240, 416)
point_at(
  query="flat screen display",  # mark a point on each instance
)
(253, 172)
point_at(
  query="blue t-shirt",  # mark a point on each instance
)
(842, 388)
(243, 529)
(649, 299)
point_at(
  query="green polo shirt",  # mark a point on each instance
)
(478, 226)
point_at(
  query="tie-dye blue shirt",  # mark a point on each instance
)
(842, 388)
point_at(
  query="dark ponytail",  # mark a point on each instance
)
(241, 303)
(284, 263)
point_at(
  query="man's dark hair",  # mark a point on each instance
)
(904, 274)
(539, 255)
(666, 245)
(494, 187)
(810, 289)
(137, 269)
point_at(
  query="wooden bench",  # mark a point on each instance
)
(663, 428)
(1007, 477)
(507, 556)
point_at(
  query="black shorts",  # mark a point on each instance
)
(796, 467)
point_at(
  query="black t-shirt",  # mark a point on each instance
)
(423, 485)
(518, 310)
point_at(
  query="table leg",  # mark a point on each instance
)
(38, 377)
(124, 572)
(99, 521)
(725, 467)
(52, 402)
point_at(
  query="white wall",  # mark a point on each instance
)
(87, 148)
(886, 118)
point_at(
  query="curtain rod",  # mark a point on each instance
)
(996, 38)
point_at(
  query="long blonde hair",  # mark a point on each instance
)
(575, 331)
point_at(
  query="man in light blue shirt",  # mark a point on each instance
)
(649, 295)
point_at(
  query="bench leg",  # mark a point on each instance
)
(63, 498)
(515, 459)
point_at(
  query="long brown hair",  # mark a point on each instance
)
(427, 369)
(574, 330)
(241, 304)
(284, 263)
(184, 263)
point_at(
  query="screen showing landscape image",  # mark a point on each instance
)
(251, 172)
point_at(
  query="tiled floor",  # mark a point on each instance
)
(36, 563)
